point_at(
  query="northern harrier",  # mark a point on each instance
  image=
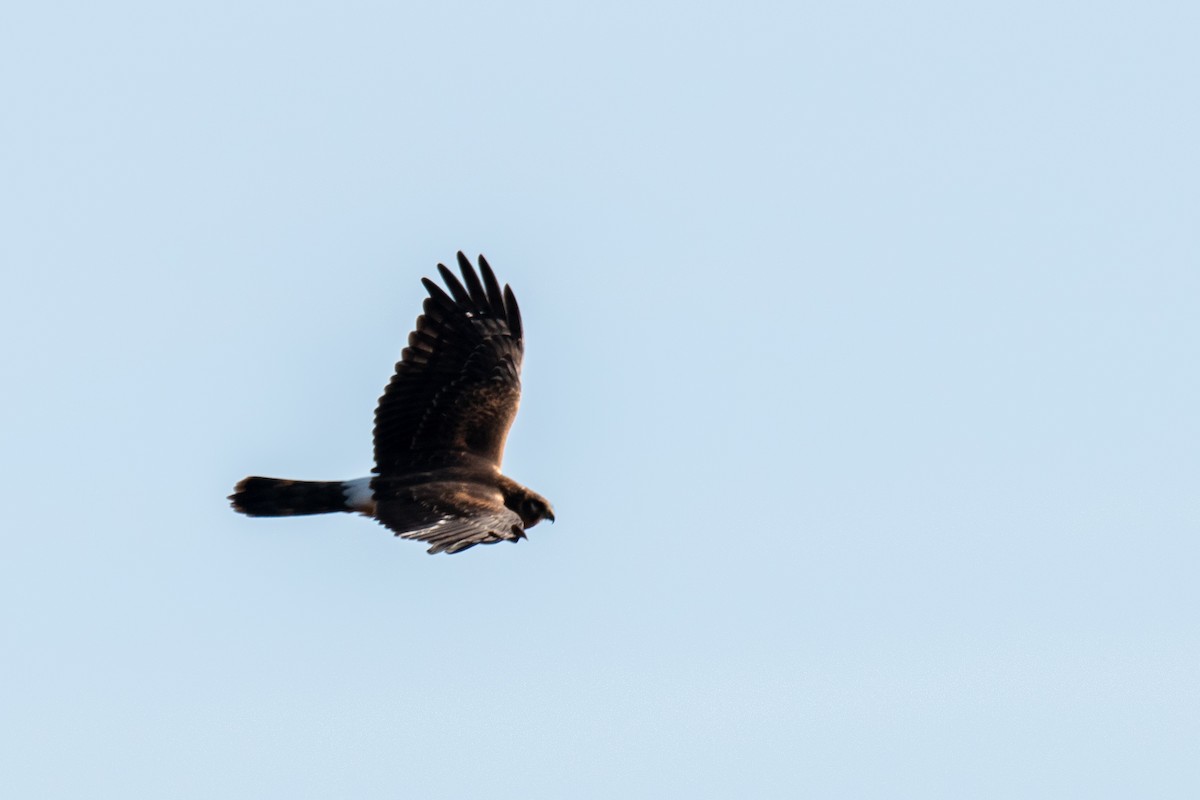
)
(439, 430)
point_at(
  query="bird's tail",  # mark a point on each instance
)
(274, 497)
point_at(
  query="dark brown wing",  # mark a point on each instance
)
(457, 385)
(450, 515)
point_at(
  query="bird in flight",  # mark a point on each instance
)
(440, 429)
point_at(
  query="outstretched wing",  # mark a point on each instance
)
(450, 515)
(457, 385)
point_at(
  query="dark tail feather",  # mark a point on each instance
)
(273, 497)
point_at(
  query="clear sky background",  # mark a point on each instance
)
(861, 371)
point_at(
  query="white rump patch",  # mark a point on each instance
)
(359, 495)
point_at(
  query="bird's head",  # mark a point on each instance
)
(533, 508)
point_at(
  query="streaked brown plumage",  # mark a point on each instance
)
(440, 429)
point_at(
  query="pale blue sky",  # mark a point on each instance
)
(861, 371)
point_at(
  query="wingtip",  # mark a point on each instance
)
(495, 297)
(512, 312)
(473, 285)
(461, 295)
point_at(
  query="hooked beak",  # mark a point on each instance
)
(550, 514)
